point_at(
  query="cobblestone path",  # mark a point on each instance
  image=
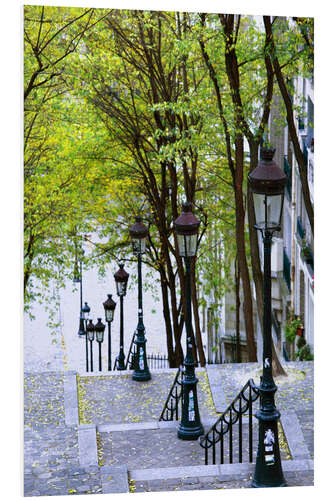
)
(51, 448)
(294, 391)
(119, 399)
(156, 448)
(149, 449)
(44, 400)
(51, 462)
(305, 418)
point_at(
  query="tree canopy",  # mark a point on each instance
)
(132, 112)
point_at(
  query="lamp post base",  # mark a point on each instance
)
(121, 360)
(189, 433)
(254, 484)
(268, 470)
(190, 427)
(141, 371)
(141, 376)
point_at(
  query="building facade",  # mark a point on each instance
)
(293, 274)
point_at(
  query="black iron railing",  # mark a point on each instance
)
(300, 228)
(129, 364)
(171, 406)
(220, 440)
(156, 361)
(305, 151)
(286, 268)
(307, 255)
(287, 171)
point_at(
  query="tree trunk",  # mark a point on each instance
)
(241, 252)
(167, 320)
(237, 283)
(198, 337)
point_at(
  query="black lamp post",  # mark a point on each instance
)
(109, 307)
(267, 182)
(99, 329)
(121, 278)
(91, 335)
(139, 234)
(78, 279)
(85, 313)
(186, 228)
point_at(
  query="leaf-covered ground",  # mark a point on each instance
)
(119, 399)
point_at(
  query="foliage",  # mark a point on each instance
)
(120, 118)
(304, 354)
(291, 327)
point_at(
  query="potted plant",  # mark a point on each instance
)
(300, 330)
(306, 251)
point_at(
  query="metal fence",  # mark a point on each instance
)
(156, 361)
(228, 435)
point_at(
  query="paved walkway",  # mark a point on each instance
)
(51, 454)
(106, 438)
(113, 399)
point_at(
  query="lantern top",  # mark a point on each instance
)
(90, 326)
(267, 177)
(86, 308)
(121, 276)
(138, 230)
(109, 304)
(99, 327)
(187, 223)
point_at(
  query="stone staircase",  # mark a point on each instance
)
(106, 437)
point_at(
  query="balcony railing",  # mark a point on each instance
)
(286, 268)
(300, 124)
(287, 171)
(307, 256)
(300, 228)
(305, 152)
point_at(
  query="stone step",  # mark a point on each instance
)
(301, 478)
(203, 476)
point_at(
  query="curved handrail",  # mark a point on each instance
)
(241, 404)
(175, 394)
(131, 353)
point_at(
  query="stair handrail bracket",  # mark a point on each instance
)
(131, 353)
(241, 404)
(170, 410)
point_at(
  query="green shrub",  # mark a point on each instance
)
(291, 328)
(304, 354)
(300, 342)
